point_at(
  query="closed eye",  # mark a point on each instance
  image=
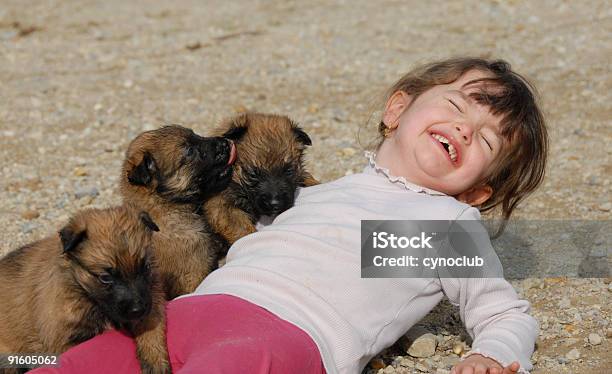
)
(456, 106)
(486, 141)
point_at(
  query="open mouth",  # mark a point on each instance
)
(448, 146)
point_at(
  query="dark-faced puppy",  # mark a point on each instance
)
(96, 274)
(269, 167)
(170, 172)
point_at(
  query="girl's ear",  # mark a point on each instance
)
(476, 196)
(397, 103)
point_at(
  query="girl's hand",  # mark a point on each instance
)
(477, 364)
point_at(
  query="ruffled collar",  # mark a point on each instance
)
(371, 156)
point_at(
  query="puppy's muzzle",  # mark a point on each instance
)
(223, 150)
(273, 202)
(135, 308)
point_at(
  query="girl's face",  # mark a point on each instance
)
(443, 140)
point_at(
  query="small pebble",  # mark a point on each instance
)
(86, 191)
(606, 207)
(28, 227)
(30, 214)
(458, 349)
(80, 172)
(594, 339)
(148, 126)
(565, 303)
(423, 346)
(240, 108)
(377, 363)
(193, 46)
(313, 108)
(574, 354)
(404, 362)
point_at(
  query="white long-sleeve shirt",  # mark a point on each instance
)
(306, 269)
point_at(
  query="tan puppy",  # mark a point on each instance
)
(268, 169)
(96, 274)
(169, 172)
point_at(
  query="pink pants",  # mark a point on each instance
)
(206, 334)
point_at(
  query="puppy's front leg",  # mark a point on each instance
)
(228, 221)
(150, 336)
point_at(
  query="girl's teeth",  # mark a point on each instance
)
(440, 138)
(452, 152)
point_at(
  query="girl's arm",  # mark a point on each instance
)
(493, 315)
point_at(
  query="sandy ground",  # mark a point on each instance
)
(79, 79)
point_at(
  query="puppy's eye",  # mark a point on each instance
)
(251, 173)
(189, 152)
(192, 152)
(105, 278)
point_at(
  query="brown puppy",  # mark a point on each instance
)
(169, 172)
(269, 167)
(96, 274)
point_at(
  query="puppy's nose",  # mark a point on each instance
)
(272, 202)
(136, 311)
(275, 204)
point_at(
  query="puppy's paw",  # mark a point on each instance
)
(157, 368)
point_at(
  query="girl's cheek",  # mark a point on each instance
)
(475, 162)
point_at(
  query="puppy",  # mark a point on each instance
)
(170, 172)
(269, 167)
(96, 274)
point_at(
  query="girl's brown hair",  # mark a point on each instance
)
(520, 169)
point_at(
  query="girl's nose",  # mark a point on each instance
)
(465, 133)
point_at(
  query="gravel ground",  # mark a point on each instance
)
(79, 79)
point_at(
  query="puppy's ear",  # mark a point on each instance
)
(308, 180)
(148, 221)
(71, 236)
(235, 133)
(301, 136)
(238, 126)
(143, 173)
